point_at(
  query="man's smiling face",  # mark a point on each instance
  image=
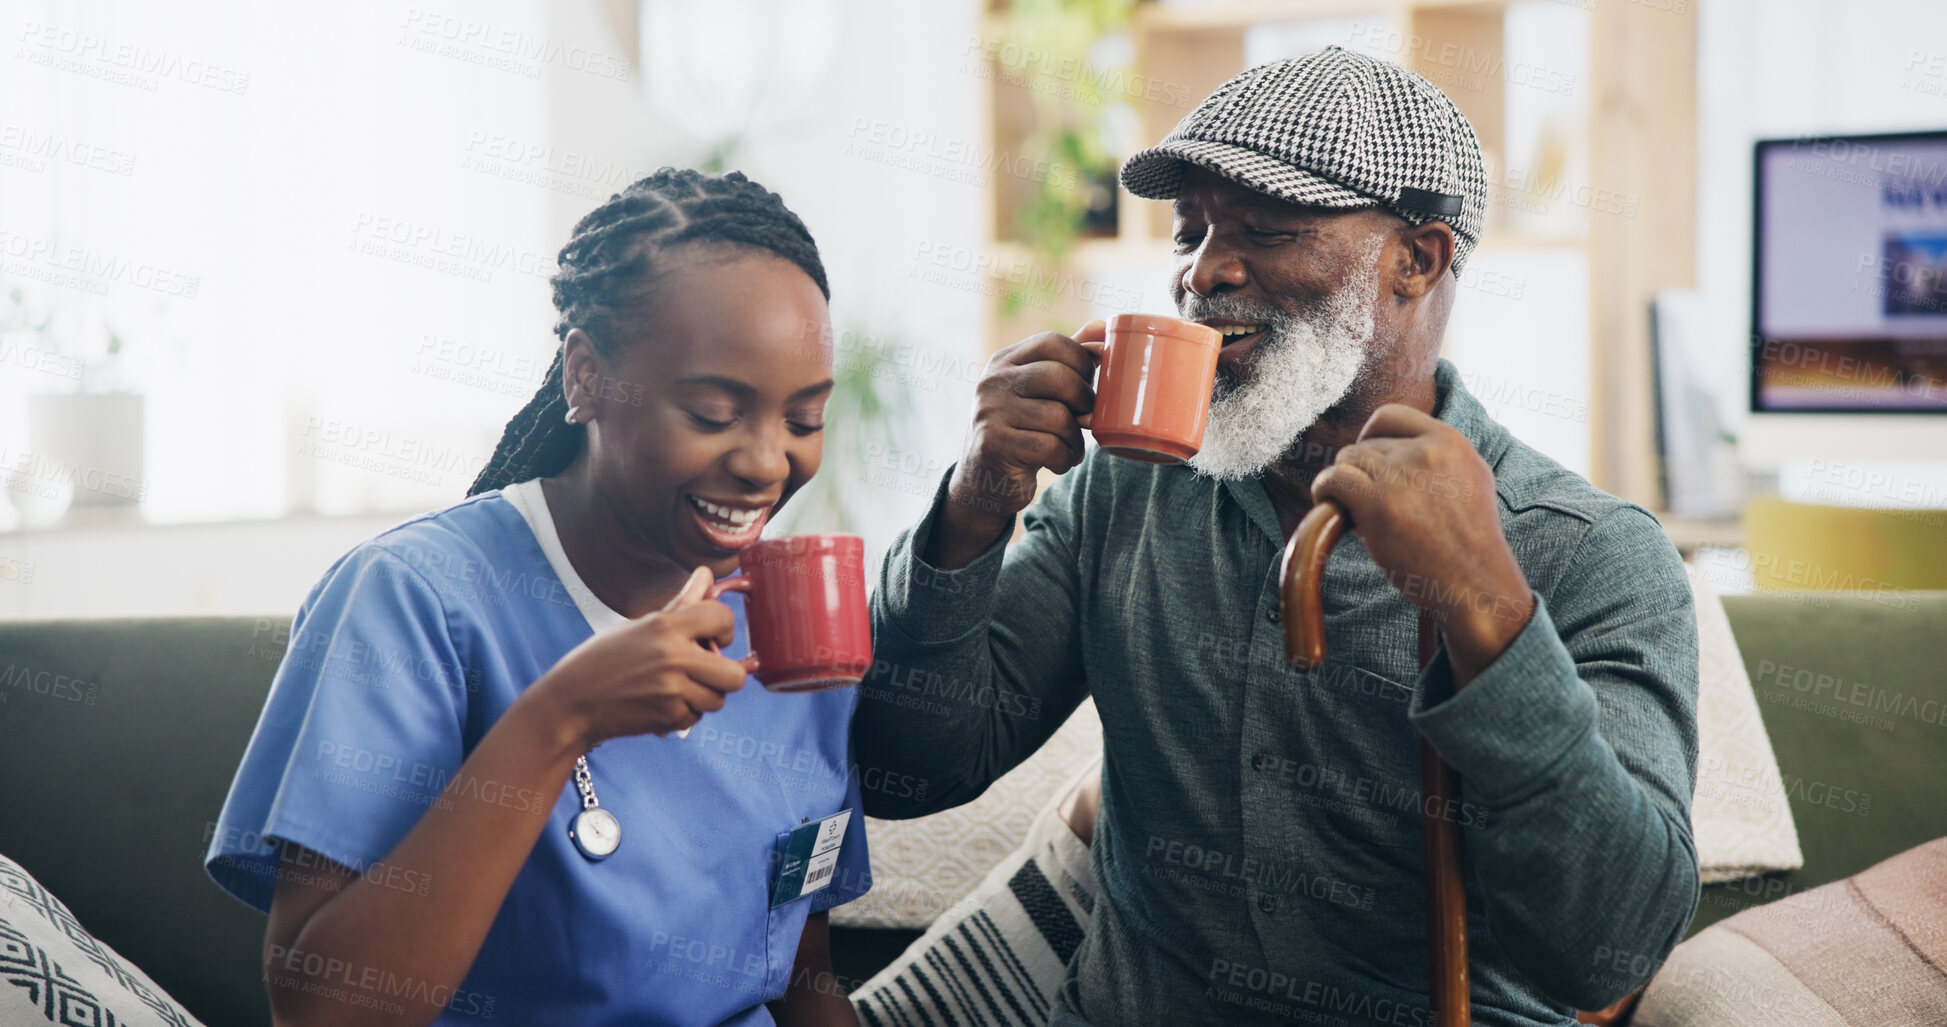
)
(1294, 290)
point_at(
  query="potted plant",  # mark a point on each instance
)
(86, 440)
(869, 402)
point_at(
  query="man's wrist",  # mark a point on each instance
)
(1476, 635)
(960, 534)
(964, 529)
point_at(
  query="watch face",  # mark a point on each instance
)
(596, 832)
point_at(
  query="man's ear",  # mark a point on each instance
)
(1428, 252)
(581, 370)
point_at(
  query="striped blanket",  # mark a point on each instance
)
(999, 955)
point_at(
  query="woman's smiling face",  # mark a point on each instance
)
(710, 413)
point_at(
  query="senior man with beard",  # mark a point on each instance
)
(1257, 849)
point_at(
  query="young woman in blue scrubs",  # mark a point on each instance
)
(500, 777)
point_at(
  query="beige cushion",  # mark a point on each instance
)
(1739, 817)
(1867, 950)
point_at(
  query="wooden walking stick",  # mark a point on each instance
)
(1301, 580)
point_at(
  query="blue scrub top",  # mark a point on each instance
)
(403, 656)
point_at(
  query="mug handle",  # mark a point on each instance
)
(716, 591)
(1099, 347)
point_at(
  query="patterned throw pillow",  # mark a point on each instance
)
(52, 970)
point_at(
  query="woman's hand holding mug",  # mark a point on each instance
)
(652, 675)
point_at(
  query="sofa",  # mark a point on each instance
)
(118, 739)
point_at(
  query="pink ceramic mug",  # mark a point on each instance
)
(804, 600)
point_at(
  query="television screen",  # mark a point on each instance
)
(1849, 274)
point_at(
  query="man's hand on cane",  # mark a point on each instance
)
(1422, 500)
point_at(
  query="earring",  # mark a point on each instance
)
(573, 415)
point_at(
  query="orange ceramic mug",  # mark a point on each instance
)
(1152, 387)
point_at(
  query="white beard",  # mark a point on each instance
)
(1303, 366)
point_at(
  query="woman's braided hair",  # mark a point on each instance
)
(606, 268)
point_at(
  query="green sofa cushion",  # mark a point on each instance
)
(118, 740)
(1853, 691)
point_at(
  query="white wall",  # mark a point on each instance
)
(319, 211)
(249, 568)
(303, 372)
(1782, 68)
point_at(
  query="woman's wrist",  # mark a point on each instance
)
(553, 723)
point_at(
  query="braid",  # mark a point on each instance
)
(609, 260)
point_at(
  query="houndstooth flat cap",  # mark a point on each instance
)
(1331, 129)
